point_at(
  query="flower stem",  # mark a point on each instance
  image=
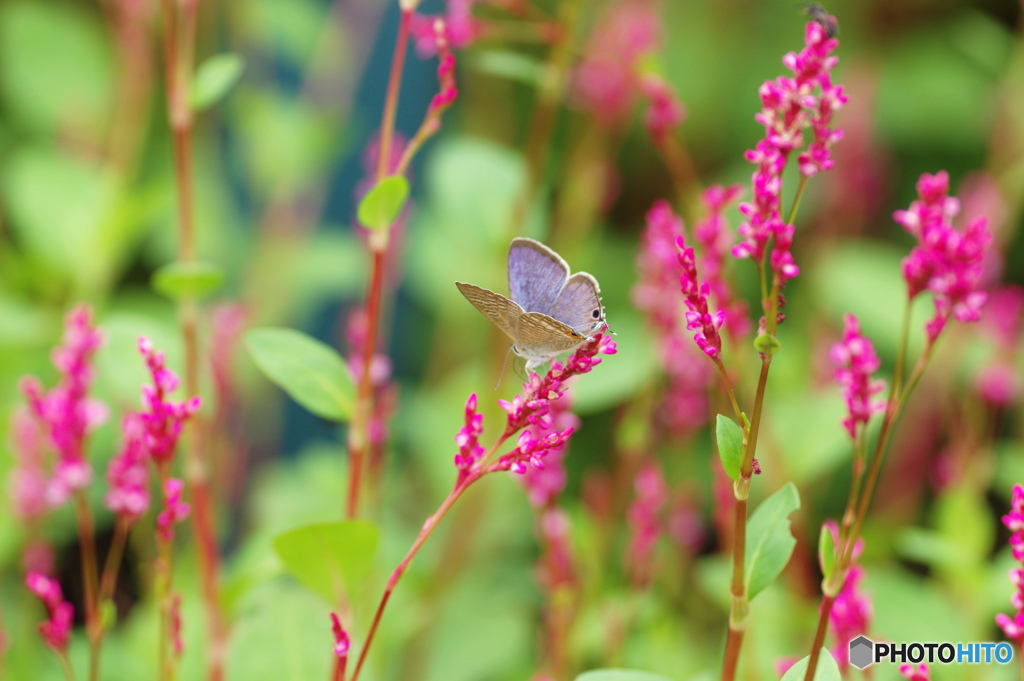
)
(179, 47)
(739, 609)
(65, 666)
(796, 200)
(387, 125)
(727, 384)
(113, 562)
(87, 545)
(428, 529)
(819, 635)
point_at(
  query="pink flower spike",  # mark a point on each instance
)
(127, 474)
(699, 318)
(175, 510)
(664, 112)
(341, 641)
(855, 361)
(57, 629)
(645, 521)
(850, 615)
(1014, 520)
(161, 418)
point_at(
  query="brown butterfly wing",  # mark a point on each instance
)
(543, 336)
(496, 307)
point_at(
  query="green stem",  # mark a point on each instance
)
(728, 390)
(796, 200)
(87, 545)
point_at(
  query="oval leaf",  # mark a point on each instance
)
(826, 553)
(312, 373)
(827, 669)
(619, 675)
(179, 280)
(769, 541)
(214, 78)
(330, 559)
(383, 203)
(730, 445)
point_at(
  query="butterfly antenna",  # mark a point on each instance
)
(503, 363)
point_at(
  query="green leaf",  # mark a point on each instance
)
(512, 65)
(619, 675)
(383, 203)
(827, 669)
(179, 280)
(330, 559)
(826, 553)
(311, 372)
(214, 78)
(730, 445)
(769, 541)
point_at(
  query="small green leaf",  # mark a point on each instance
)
(730, 445)
(331, 559)
(827, 669)
(766, 344)
(826, 553)
(214, 78)
(619, 675)
(179, 280)
(312, 373)
(769, 541)
(383, 203)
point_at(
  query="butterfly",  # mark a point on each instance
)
(550, 312)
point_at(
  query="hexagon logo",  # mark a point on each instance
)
(861, 652)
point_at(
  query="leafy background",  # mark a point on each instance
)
(87, 213)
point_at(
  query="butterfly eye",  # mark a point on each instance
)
(596, 314)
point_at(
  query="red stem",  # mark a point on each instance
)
(387, 125)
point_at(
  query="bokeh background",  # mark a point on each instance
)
(87, 213)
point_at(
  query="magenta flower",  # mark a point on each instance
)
(445, 74)
(57, 629)
(175, 510)
(127, 474)
(713, 234)
(999, 382)
(1014, 520)
(664, 110)
(946, 262)
(162, 419)
(850, 615)
(855, 361)
(533, 405)
(458, 28)
(543, 485)
(341, 641)
(468, 439)
(790, 105)
(29, 479)
(699, 317)
(555, 567)
(645, 523)
(604, 83)
(918, 673)
(66, 413)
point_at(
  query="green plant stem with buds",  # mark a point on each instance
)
(863, 485)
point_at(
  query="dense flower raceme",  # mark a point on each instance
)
(127, 475)
(531, 408)
(55, 631)
(605, 84)
(645, 522)
(175, 510)
(66, 414)
(712, 232)
(1013, 627)
(543, 485)
(162, 419)
(459, 28)
(664, 110)
(945, 261)
(855, 361)
(699, 317)
(808, 98)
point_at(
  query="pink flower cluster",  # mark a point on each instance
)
(664, 111)
(543, 485)
(714, 235)
(850, 615)
(699, 317)
(918, 673)
(1014, 520)
(127, 475)
(532, 450)
(56, 630)
(790, 105)
(175, 510)
(66, 414)
(645, 523)
(468, 438)
(605, 82)
(458, 28)
(162, 419)
(856, 361)
(533, 405)
(445, 73)
(945, 261)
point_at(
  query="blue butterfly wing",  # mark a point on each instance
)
(536, 275)
(579, 304)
